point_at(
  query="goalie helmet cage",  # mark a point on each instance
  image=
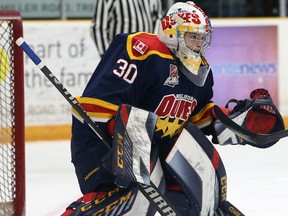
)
(12, 138)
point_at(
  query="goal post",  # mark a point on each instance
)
(12, 133)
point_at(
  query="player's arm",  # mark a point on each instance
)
(205, 119)
(123, 76)
(118, 79)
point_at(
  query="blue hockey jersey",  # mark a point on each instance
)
(140, 70)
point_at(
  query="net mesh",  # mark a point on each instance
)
(7, 120)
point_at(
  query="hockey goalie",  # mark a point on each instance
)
(152, 95)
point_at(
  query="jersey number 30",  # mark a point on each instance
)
(126, 71)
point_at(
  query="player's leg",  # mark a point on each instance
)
(200, 174)
(119, 201)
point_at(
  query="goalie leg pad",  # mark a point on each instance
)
(194, 172)
(115, 202)
(201, 173)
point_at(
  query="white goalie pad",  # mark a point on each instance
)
(194, 172)
(141, 205)
(132, 144)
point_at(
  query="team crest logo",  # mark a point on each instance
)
(140, 47)
(173, 78)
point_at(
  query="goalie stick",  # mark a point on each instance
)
(151, 192)
(255, 138)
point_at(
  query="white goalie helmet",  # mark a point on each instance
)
(187, 32)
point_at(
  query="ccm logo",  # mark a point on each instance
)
(120, 151)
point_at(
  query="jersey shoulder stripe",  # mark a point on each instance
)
(141, 45)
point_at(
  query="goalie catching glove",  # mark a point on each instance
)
(257, 114)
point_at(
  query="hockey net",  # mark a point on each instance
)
(12, 154)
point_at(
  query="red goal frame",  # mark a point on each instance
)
(18, 130)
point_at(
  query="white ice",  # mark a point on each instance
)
(257, 178)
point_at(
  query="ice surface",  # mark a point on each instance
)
(257, 178)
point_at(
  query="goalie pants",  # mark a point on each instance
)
(88, 163)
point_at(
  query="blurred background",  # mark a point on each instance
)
(248, 51)
(83, 9)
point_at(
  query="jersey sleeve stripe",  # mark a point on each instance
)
(203, 117)
(98, 110)
(98, 102)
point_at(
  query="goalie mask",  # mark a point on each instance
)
(187, 32)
